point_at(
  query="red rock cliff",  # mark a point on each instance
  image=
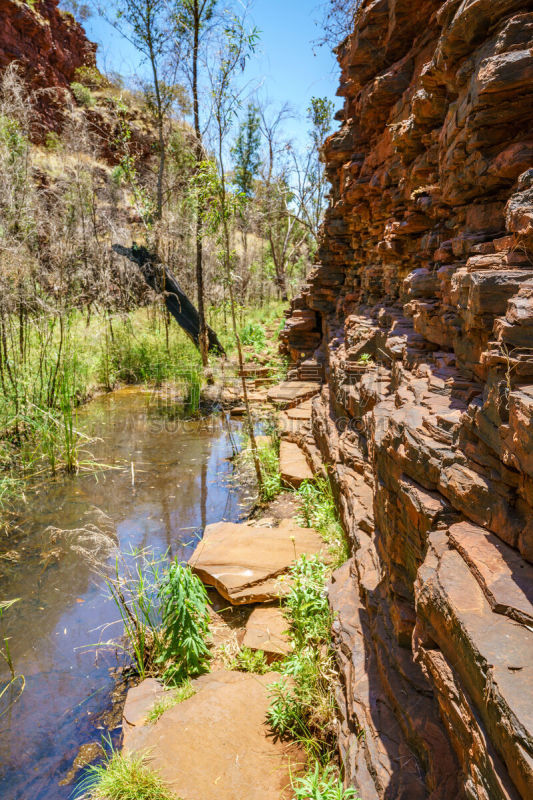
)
(426, 264)
(48, 44)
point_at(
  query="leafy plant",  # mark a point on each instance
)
(303, 705)
(82, 94)
(307, 604)
(170, 699)
(247, 660)
(319, 511)
(123, 776)
(185, 625)
(366, 359)
(321, 783)
(253, 334)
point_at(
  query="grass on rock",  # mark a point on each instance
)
(170, 699)
(123, 777)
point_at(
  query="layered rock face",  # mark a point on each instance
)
(49, 45)
(426, 269)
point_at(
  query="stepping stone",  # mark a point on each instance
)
(503, 575)
(290, 393)
(302, 411)
(293, 465)
(266, 630)
(247, 564)
(217, 744)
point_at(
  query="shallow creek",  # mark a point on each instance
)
(171, 478)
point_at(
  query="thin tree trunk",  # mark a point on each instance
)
(203, 338)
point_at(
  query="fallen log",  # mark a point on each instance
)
(162, 281)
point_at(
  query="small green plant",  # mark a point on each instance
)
(185, 625)
(254, 335)
(319, 511)
(82, 94)
(303, 705)
(365, 359)
(322, 783)
(170, 699)
(52, 141)
(269, 460)
(247, 660)
(123, 776)
(90, 77)
(307, 603)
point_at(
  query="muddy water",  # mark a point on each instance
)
(172, 479)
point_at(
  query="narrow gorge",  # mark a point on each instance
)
(419, 317)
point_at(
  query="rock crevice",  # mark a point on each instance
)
(419, 313)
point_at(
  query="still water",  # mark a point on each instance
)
(171, 478)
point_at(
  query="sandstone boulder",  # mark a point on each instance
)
(249, 564)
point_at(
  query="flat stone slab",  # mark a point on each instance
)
(503, 575)
(302, 411)
(217, 744)
(266, 630)
(245, 563)
(290, 393)
(293, 464)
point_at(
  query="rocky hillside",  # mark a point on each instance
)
(420, 315)
(49, 45)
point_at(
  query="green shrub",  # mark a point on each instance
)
(52, 141)
(82, 94)
(253, 334)
(185, 625)
(303, 705)
(321, 783)
(319, 511)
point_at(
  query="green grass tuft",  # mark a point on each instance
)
(170, 699)
(123, 777)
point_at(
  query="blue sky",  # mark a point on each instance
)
(287, 66)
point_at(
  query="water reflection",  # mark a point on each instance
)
(170, 481)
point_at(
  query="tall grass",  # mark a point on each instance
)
(49, 365)
(164, 611)
(123, 776)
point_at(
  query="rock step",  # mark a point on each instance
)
(491, 656)
(293, 464)
(217, 744)
(248, 564)
(504, 577)
(291, 393)
(266, 630)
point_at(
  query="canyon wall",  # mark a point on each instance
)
(48, 45)
(420, 316)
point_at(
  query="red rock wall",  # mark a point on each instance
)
(426, 263)
(49, 45)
